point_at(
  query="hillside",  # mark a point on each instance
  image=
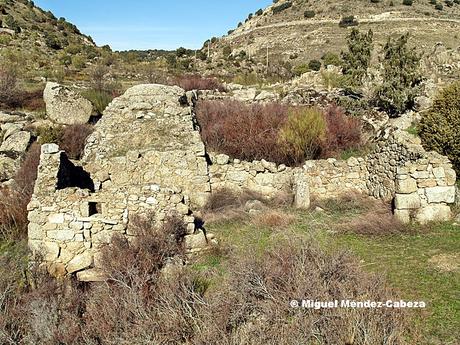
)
(39, 42)
(300, 30)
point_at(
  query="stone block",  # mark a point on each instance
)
(50, 148)
(61, 235)
(451, 176)
(196, 241)
(222, 159)
(406, 186)
(51, 251)
(302, 192)
(35, 232)
(407, 201)
(56, 218)
(92, 275)
(433, 213)
(441, 194)
(439, 172)
(403, 216)
(80, 262)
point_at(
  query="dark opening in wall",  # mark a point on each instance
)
(94, 208)
(70, 175)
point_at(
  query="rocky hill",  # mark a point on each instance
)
(39, 40)
(299, 30)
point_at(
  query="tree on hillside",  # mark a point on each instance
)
(356, 61)
(401, 76)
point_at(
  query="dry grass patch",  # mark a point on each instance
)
(273, 219)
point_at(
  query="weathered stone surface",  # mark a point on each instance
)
(79, 262)
(406, 186)
(49, 148)
(434, 213)
(8, 168)
(407, 201)
(196, 241)
(61, 235)
(65, 106)
(404, 216)
(92, 275)
(302, 192)
(17, 142)
(440, 194)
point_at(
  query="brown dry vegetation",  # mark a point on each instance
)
(14, 200)
(275, 132)
(139, 305)
(195, 82)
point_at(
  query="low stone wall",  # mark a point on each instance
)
(262, 177)
(69, 225)
(424, 189)
(332, 178)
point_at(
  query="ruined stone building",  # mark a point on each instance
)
(146, 157)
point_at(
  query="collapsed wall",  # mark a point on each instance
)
(148, 136)
(146, 157)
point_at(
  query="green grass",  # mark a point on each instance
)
(403, 259)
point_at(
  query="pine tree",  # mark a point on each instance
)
(401, 76)
(356, 61)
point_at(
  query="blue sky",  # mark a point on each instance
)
(154, 24)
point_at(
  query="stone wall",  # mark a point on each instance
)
(424, 189)
(68, 225)
(148, 136)
(262, 177)
(146, 157)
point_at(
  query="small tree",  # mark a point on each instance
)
(401, 76)
(440, 126)
(356, 61)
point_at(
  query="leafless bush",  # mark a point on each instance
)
(14, 200)
(253, 307)
(195, 82)
(276, 219)
(73, 139)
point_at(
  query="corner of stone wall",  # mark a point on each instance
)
(425, 189)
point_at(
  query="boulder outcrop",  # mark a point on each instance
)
(65, 106)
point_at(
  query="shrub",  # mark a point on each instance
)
(70, 138)
(73, 139)
(331, 59)
(8, 86)
(275, 132)
(259, 12)
(343, 132)
(309, 14)
(247, 132)
(348, 21)
(440, 126)
(439, 7)
(302, 134)
(100, 99)
(401, 76)
(301, 69)
(195, 82)
(356, 61)
(14, 200)
(314, 65)
(408, 2)
(280, 8)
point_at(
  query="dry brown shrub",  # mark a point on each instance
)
(247, 132)
(73, 139)
(196, 82)
(14, 200)
(253, 306)
(273, 219)
(378, 221)
(350, 202)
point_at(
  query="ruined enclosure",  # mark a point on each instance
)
(146, 157)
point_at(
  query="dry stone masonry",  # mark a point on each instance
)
(146, 157)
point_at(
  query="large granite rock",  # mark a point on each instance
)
(16, 142)
(65, 106)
